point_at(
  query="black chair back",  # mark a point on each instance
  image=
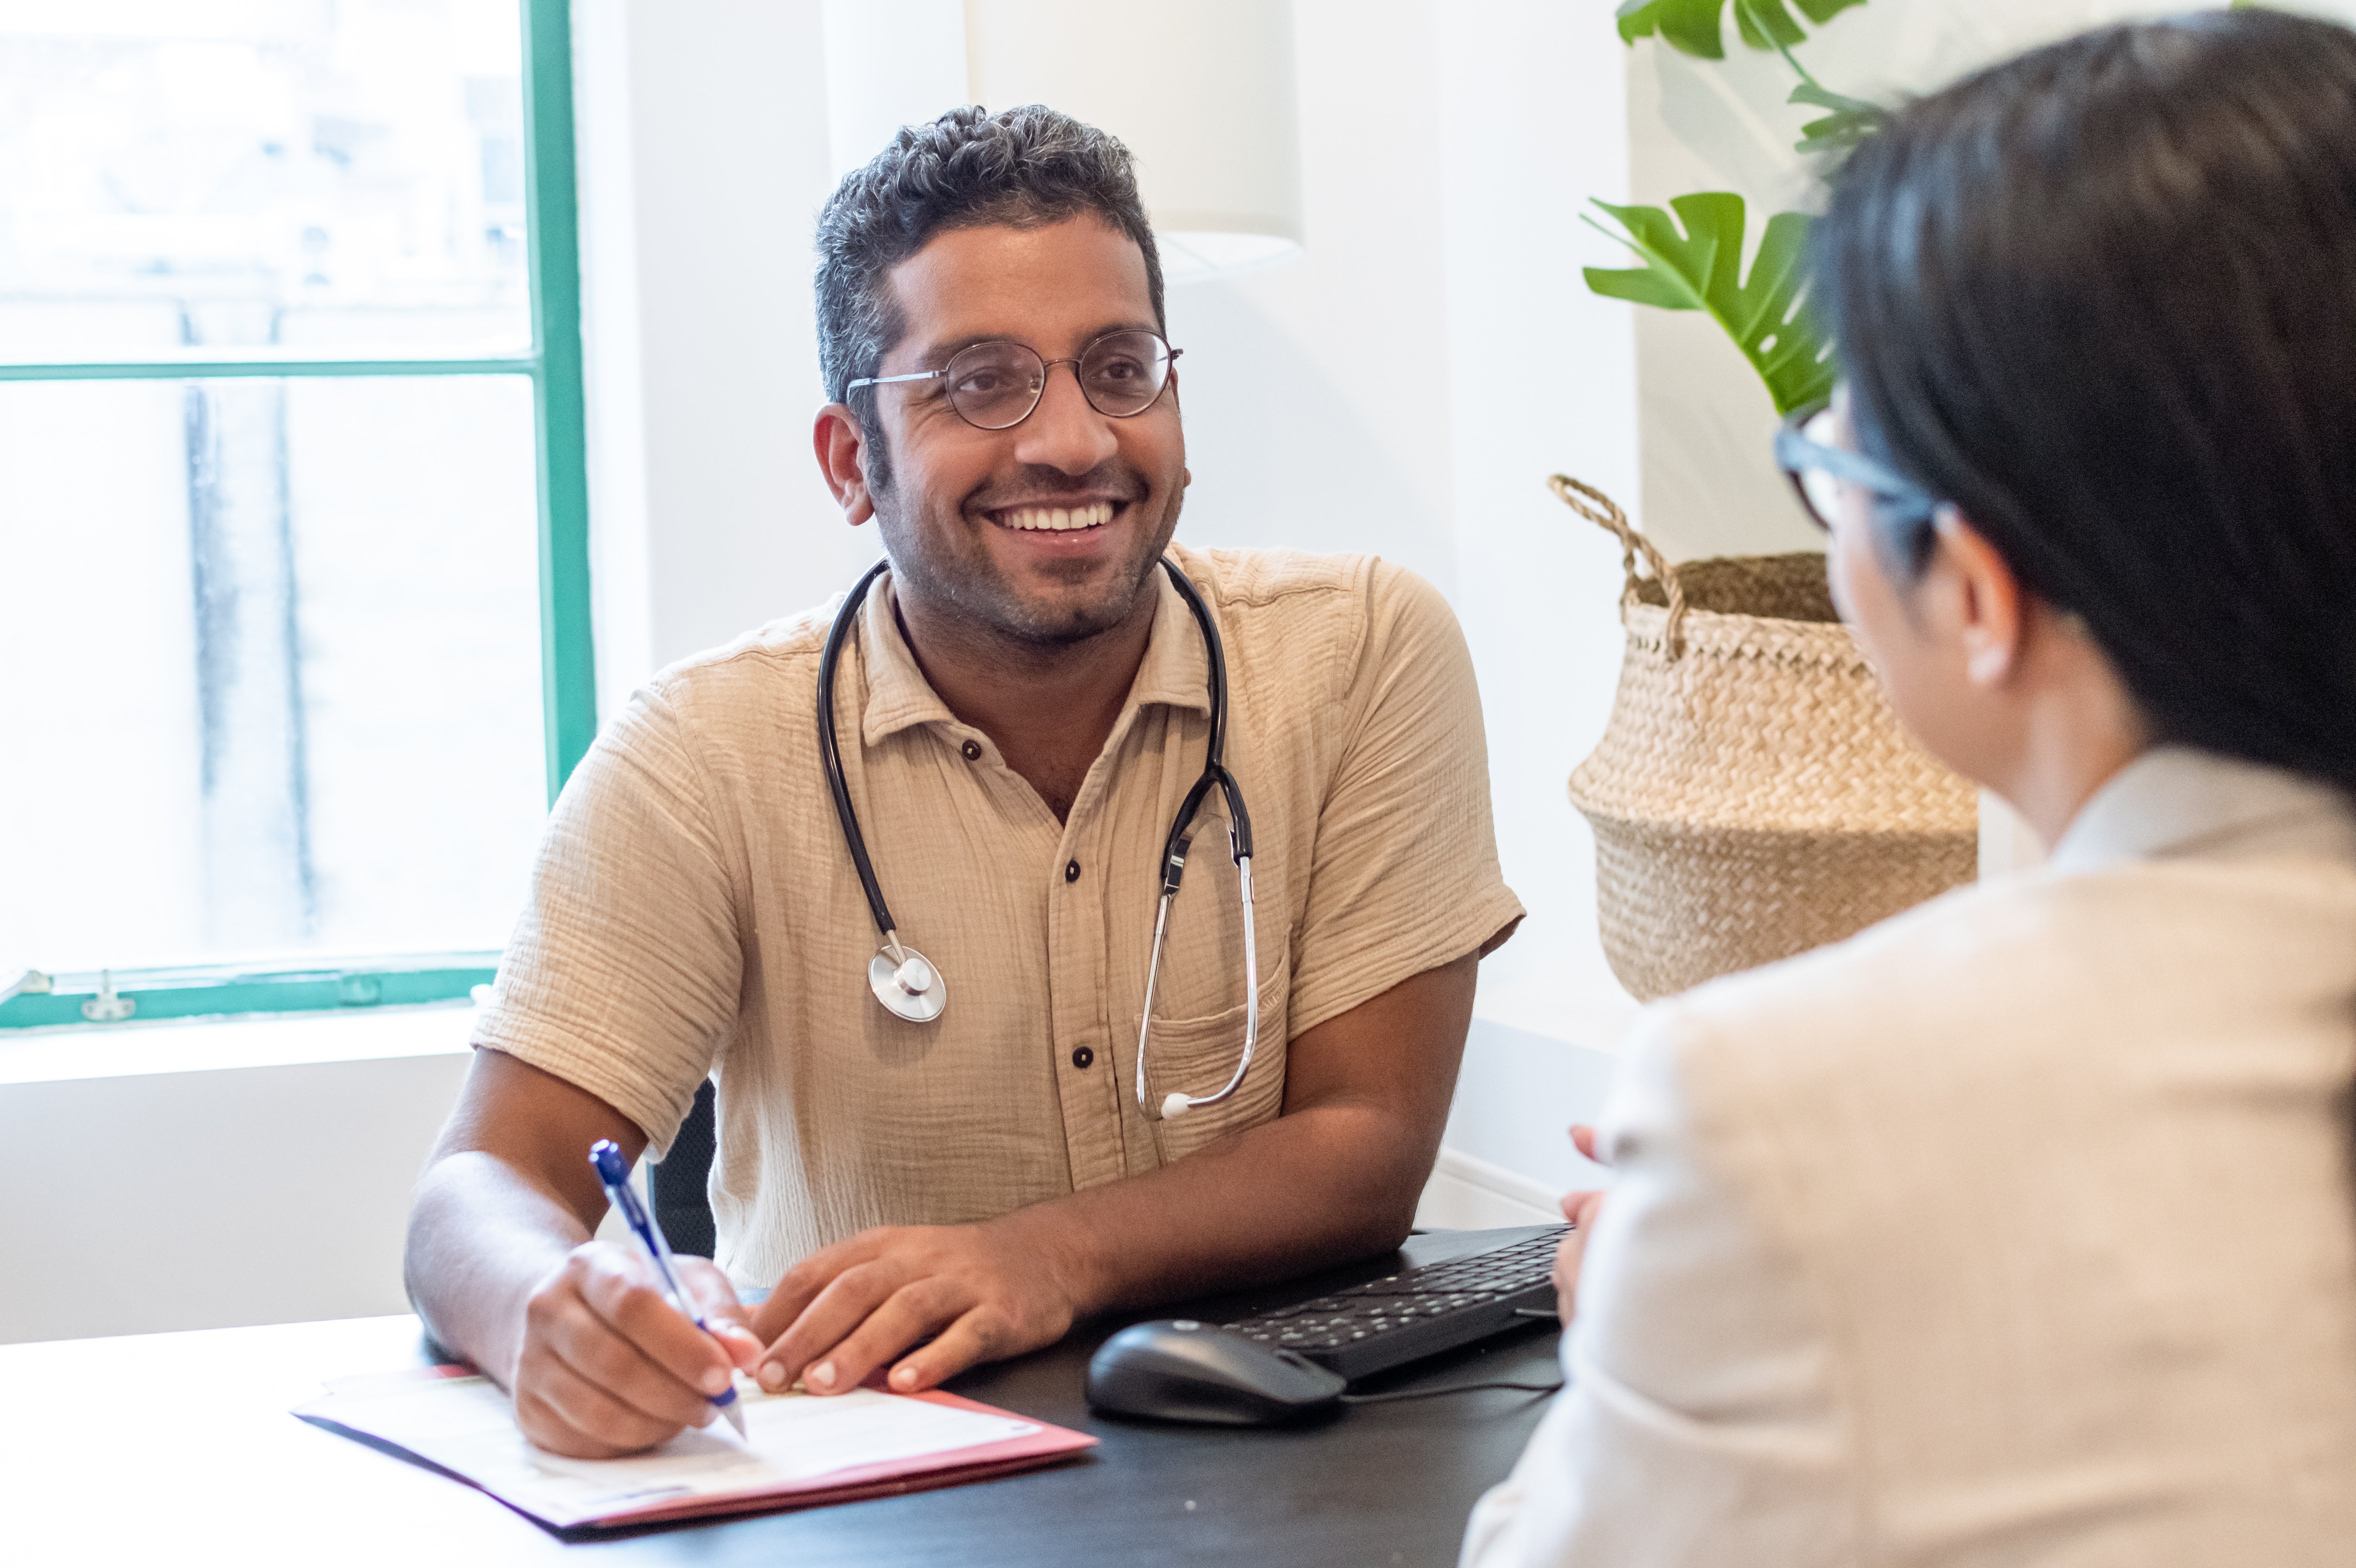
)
(681, 1184)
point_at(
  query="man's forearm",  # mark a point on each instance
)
(481, 1237)
(1335, 1177)
(1320, 1185)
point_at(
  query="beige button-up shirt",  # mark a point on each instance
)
(695, 911)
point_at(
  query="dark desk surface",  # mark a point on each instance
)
(150, 1447)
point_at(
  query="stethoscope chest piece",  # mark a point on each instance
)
(913, 990)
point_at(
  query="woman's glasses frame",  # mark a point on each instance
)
(1168, 363)
(1897, 502)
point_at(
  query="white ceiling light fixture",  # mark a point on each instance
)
(1201, 93)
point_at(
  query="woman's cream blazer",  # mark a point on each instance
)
(2018, 1230)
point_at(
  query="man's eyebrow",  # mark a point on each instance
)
(939, 354)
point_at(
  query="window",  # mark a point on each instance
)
(293, 580)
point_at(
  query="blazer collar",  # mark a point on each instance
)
(2174, 802)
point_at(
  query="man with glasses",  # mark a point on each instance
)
(1019, 706)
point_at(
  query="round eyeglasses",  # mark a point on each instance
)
(996, 385)
(1806, 453)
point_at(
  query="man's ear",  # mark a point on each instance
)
(842, 447)
(1991, 605)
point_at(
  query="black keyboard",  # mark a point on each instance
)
(1417, 1312)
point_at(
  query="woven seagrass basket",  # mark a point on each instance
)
(1753, 796)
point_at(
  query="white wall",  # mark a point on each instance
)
(170, 1176)
(703, 160)
(190, 1174)
(1541, 376)
(1317, 393)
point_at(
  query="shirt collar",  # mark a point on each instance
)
(1175, 671)
(2174, 802)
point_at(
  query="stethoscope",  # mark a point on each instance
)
(911, 987)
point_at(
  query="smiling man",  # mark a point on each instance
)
(1022, 704)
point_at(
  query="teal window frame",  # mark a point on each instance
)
(568, 656)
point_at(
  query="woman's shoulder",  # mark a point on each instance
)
(2034, 976)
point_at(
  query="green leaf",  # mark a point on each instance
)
(1852, 119)
(1699, 267)
(1696, 27)
(1691, 26)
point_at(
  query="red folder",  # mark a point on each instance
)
(470, 1434)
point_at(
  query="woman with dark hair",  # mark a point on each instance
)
(2019, 1229)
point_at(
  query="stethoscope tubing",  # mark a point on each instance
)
(830, 750)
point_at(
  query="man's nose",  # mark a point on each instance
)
(1065, 432)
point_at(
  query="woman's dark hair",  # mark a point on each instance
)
(2102, 298)
(1026, 167)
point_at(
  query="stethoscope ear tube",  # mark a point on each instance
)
(1178, 1104)
(830, 751)
(903, 979)
(1174, 868)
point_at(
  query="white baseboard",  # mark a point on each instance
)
(1466, 1193)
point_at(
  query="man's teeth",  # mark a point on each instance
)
(1058, 519)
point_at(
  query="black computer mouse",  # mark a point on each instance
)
(1179, 1370)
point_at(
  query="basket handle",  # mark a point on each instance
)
(1604, 512)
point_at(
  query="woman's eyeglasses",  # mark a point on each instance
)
(1817, 469)
(996, 385)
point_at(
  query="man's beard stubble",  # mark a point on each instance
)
(986, 602)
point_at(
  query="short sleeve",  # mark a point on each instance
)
(1404, 877)
(1699, 1423)
(623, 972)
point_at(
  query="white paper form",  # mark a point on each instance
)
(465, 1425)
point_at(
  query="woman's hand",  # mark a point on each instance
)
(1580, 1209)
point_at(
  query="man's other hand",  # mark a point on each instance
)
(608, 1366)
(974, 1290)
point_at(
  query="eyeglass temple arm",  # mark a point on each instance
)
(1794, 452)
(887, 381)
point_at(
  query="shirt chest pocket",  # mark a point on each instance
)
(1197, 1056)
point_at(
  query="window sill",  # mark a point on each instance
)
(211, 1045)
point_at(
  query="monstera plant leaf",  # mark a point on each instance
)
(1852, 119)
(1700, 269)
(1693, 27)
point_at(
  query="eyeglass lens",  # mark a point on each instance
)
(1818, 487)
(995, 385)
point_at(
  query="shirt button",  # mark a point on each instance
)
(1082, 1056)
(973, 750)
(1072, 874)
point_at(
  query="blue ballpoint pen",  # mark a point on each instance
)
(615, 1174)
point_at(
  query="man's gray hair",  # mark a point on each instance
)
(1026, 167)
